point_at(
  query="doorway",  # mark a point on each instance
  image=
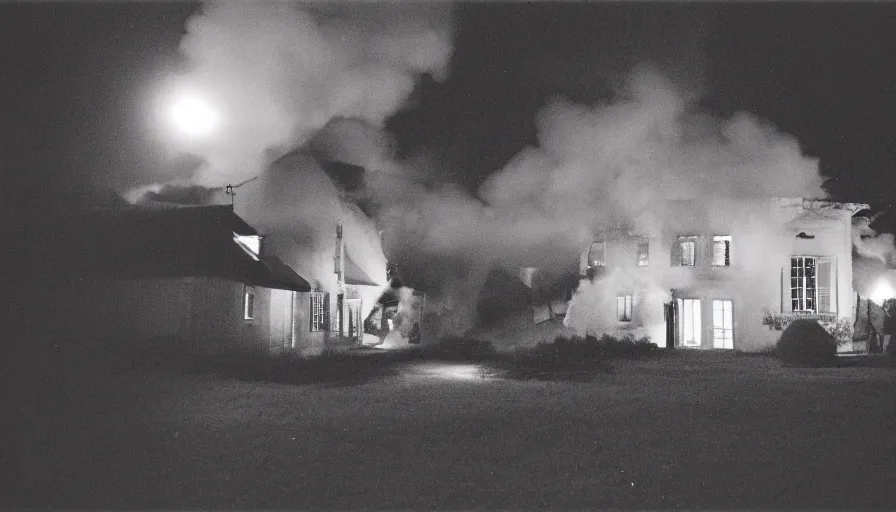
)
(722, 324)
(690, 325)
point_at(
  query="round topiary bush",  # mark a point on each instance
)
(806, 343)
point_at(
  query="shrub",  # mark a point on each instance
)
(806, 343)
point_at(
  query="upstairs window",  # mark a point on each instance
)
(721, 251)
(802, 284)
(624, 308)
(248, 303)
(597, 254)
(320, 311)
(686, 248)
(643, 251)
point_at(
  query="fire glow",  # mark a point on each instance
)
(882, 291)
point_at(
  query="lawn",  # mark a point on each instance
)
(683, 430)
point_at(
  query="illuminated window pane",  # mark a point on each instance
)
(624, 308)
(722, 324)
(686, 250)
(643, 252)
(319, 305)
(802, 284)
(721, 251)
(248, 303)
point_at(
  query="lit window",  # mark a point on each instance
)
(802, 284)
(686, 250)
(643, 251)
(721, 251)
(320, 311)
(248, 303)
(596, 255)
(624, 308)
(722, 324)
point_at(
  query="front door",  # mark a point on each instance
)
(690, 326)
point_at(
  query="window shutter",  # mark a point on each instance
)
(824, 285)
(786, 305)
(325, 323)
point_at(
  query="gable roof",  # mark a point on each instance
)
(354, 274)
(167, 242)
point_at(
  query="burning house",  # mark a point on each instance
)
(723, 274)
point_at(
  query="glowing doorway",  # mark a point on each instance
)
(690, 327)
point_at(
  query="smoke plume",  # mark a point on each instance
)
(610, 166)
(277, 72)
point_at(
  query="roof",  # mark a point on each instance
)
(354, 274)
(281, 276)
(168, 242)
(820, 204)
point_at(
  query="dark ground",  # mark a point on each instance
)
(685, 430)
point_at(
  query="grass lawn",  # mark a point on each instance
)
(686, 430)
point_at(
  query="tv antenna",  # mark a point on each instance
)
(229, 189)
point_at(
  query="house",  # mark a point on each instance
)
(719, 273)
(195, 277)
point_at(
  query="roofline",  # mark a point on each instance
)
(815, 203)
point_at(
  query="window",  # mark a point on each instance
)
(721, 251)
(624, 308)
(686, 250)
(722, 324)
(802, 284)
(643, 251)
(248, 303)
(596, 254)
(320, 311)
(690, 329)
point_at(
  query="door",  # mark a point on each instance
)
(690, 326)
(722, 324)
(670, 312)
(353, 316)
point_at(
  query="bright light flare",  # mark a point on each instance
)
(194, 116)
(882, 291)
(455, 371)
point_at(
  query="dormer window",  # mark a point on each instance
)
(251, 244)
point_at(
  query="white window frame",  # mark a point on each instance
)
(694, 321)
(624, 307)
(723, 323)
(723, 258)
(249, 302)
(804, 284)
(318, 311)
(687, 241)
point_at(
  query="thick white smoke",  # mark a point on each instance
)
(277, 72)
(614, 165)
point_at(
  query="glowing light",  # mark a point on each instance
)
(882, 291)
(455, 371)
(194, 116)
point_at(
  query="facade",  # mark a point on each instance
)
(196, 278)
(720, 273)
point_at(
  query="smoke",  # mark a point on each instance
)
(277, 72)
(616, 165)
(869, 244)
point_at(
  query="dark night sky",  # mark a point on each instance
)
(78, 78)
